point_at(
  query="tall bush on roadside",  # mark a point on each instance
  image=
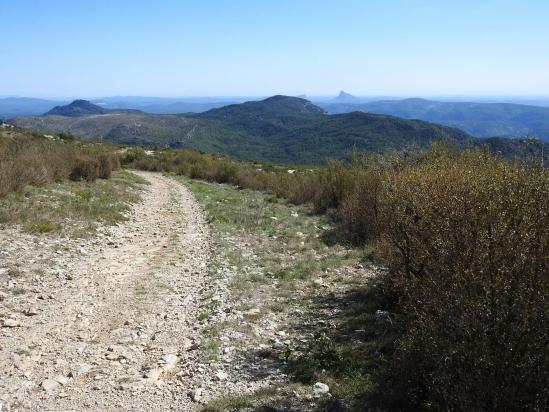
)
(470, 260)
(333, 182)
(86, 168)
(358, 211)
(108, 163)
(30, 158)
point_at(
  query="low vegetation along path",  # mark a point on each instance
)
(110, 325)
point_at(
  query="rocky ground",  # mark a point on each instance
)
(157, 313)
(300, 320)
(109, 323)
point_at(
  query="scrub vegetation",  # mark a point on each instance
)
(28, 158)
(57, 184)
(464, 235)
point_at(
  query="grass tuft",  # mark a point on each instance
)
(229, 403)
(40, 227)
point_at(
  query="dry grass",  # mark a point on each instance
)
(49, 183)
(71, 208)
(32, 159)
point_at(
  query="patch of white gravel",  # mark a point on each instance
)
(109, 323)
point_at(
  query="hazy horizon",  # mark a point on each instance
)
(304, 95)
(397, 48)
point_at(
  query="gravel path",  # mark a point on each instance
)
(108, 323)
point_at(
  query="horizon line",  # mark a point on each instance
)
(369, 96)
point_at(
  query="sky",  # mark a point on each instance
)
(59, 48)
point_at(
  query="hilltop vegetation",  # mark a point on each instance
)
(34, 159)
(76, 108)
(477, 119)
(125, 128)
(464, 237)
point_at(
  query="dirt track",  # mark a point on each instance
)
(110, 324)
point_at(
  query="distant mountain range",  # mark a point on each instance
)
(279, 129)
(167, 105)
(477, 119)
(25, 106)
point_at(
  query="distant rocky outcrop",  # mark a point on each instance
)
(344, 97)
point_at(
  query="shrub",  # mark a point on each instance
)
(40, 227)
(226, 172)
(470, 262)
(28, 158)
(359, 207)
(333, 182)
(84, 194)
(107, 164)
(85, 167)
(131, 155)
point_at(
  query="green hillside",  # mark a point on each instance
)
(118, 127)
(278, 129)
(477, 119)
(77, 108)
(291, 129)
(333, 136)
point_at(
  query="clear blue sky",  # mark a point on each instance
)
(261, 47)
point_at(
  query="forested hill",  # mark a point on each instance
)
(278, 129)
(477, 119)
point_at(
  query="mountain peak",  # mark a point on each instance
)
(275, 108)
(291, 103)
(76, 108)
(279, 97)
(345, 97)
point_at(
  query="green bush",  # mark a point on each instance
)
(131, 155)
(225, 172)
(40, 227)
(84, 194)
(333, 183)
